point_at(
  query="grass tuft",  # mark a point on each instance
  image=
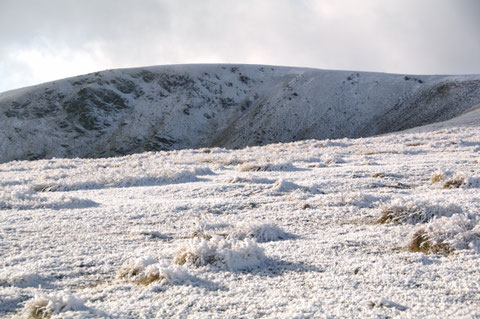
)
(437, 177)
(415, 212)
(37, 309)
(44, 306)
(421, 242)
(225, 253)
(455, 182)
(144, 271)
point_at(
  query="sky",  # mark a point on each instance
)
(51, 39)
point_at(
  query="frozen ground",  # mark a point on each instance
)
(280, 231)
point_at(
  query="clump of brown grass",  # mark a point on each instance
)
(413, 144)
(455, 182)
(144, 271)
(225, 253)
(151, 274)
(437, 177)
(44, 306)
(135, 270)
(185, 256)
(421, 242)
(415, 212)
(37, 309)
(390, 215)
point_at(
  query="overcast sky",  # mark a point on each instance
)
(51, 39)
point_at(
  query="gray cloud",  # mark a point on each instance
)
(44, 40)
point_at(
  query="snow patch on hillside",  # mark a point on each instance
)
(119, 112)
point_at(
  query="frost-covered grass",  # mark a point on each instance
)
(24, 199)
(415, 212)
(231, 254)
(43, 306)
(146, 270)
(447, 234)
(294, 240)
(262, 233)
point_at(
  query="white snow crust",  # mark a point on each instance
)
(100, 238)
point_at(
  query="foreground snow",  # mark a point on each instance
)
(285, 230)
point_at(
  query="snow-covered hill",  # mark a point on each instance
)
(378, 227)
(129, 111)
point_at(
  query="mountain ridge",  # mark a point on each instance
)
(125, 111)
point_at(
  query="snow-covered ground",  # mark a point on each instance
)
(377, 227)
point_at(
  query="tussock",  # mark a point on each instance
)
(462, 181)
(437, 177)
(358, 199)
(44, 306)
(224, 253)
(446, 234)
(283, 186)
(455, 182)
(146, 270)
(262, 233)
(414, 212)
(134, 267)
(163, 275)
(421, 242)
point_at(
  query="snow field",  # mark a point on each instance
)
(300, 240)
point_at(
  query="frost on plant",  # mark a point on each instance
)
(458, 180)
(260, 232)
(437, 177)
(44, 306)
(358, 199)
(455, 182)
(283, 186)
(445, 235)
(117, 175)
(20, 199)
(225, 253)
(146, 270)
(421, 242)
(414, 212)
(134, 267)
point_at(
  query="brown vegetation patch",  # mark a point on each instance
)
(437, 177)
(422, 243)
(454, 183)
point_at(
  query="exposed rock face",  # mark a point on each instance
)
(126, 111)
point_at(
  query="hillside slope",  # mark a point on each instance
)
(127, 111)
(379, 227)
